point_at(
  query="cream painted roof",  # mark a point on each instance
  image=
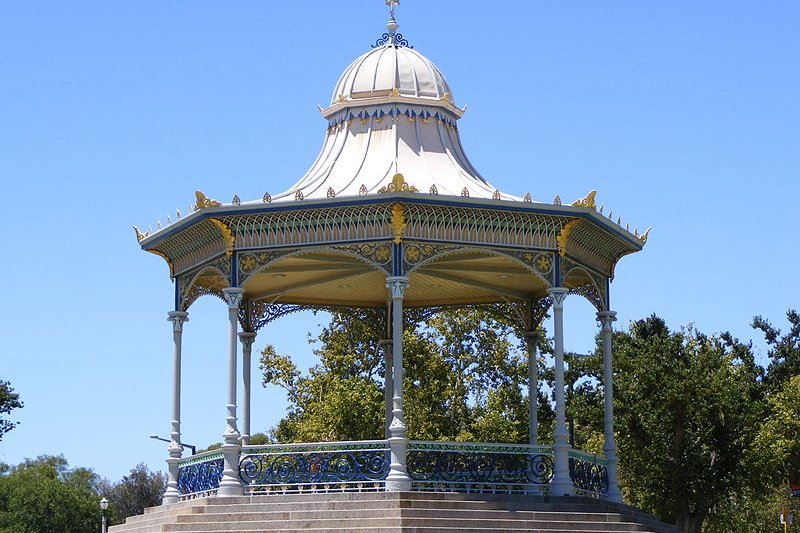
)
(391, 67)
(391, 112)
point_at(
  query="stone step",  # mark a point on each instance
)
(368, 512)
(236, 523)
(392, 513)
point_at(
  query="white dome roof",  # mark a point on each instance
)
(390, 68)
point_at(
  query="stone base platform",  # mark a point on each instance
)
(383, 512)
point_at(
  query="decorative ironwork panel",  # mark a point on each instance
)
(380, 254)
(482, 226)
(190, 287)
(417, 253)
(594, 291)
(478, 467)
(192, 245)
(200, 476)
(589, 473)
(250, 262)
(541, 263)
(337, 466)
(597, 248)
(369, 222)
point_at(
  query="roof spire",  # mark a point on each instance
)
(391, 26)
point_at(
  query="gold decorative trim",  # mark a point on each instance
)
(563, 235)
(398, 222)
(398, 184)
(139, 235)
(166, 258)
(586, 202)
(202, 201)
(643, 236)
(227, 235)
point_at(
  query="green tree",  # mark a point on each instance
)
(44, 495)
(9, 400)
(464, 376)
(136, 491)
(687, 408)
(784, 350)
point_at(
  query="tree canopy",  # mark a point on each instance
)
(707, 438)
(9, 400)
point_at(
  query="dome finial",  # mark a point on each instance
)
(391, 37)
(391, 26)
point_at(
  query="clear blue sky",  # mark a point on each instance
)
(684, 116)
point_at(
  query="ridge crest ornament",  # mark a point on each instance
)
(398, 222)
(398, 184)
(203, 201)
(586, 202)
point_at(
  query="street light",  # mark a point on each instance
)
(104, 508)
(191, 447)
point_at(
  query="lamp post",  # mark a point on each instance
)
(191, 447)
(104, 507)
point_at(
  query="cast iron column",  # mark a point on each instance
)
(230, 484)
(606, 319)
(397, 480)
(246, 338)
(171, 495)
(533, 389)
(562, 483)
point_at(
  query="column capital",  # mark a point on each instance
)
(558, 295)
(177, 318)
(606, 318)
(233, 296)
(397, 284)
(247, 338)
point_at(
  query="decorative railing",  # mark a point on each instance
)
(364, 465)
(200, 474)
(319, 467)
(476, 467)
(589, 473)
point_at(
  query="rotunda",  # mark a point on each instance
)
(390, 216)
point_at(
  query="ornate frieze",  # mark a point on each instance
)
(379, 254)
(209, 278)
(250, 262)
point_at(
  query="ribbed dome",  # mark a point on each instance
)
(391, 68)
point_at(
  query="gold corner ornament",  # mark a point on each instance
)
(643, 236)
(202, 201)
(227, 235)
(398, 184)
(563, 235)
(586, 202)
(139, 235)
(166, 258)
(398, 222)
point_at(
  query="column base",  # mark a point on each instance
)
(171, 495)
(398, 480)
(230, 484)
(561, 485)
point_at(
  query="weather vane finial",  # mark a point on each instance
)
(391, 37)
(392, 26)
